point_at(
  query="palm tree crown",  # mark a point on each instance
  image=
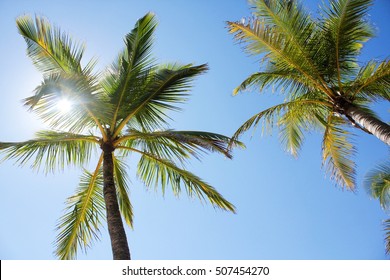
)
(119, 112)
(315, 63)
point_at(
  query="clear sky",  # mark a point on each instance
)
(286, 208)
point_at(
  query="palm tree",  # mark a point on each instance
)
(314, 62)
(377, 183)
(118, 113)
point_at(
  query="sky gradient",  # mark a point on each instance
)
(286, 207)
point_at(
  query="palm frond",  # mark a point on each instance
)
(345, 29)
(286, 80)
(50, 49)
(271, 115)
(281, 48)
(372, 81)
(299, 30)
(132, 65)
(294, 122)
(168, 85)
(85, 211)
(88, 107)
(377, 184)
(154, 171)
(51, 149)
(178, 145)
(337, 151)
(121, 179)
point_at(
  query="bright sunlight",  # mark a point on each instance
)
(64, 105)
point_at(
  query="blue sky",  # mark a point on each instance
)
(287, 207)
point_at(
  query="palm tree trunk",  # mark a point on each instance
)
(120, 248)
(374, 126)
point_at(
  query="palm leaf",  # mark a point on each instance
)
(133, 64)
(337, 151)
(377, 184)
(154, 171)
(167, 86)
(120, 177)
(85, 211)
(51, 50)
(56, 55)
(345, 30)
(271, 115)
(286, 80)
(51, 149)
(262, 38)
(372, 82)
(292, 126)
(88, 108)
(178, 144)
(299, 30)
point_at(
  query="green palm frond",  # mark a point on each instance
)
(286, 80)
(372, 82)
(345, 29)
(121, 183)
(289, 52)
(85, 212)
(377, 183)
(337, 151)
(271, 115)
(148, 142)
(168, 85)
(50, 49)
(126, 78)
(88, 108)
(298, 119)
(297, 27)
(58, 57)
(52, 150)
(154, 171)
(178, 144)
(139, 42)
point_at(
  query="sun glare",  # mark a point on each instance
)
(64, 105)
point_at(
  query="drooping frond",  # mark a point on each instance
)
(128, 76)
(155, 171)
(270, 116)
(377, 184)
(178, 145)
(167, 86)
(121, 179)
(345, 29)
(51, 150)
(87, 108)
(50, 49)
(337, 151)
(299, 118)
(85, 212)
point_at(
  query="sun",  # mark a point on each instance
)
(64, 105)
